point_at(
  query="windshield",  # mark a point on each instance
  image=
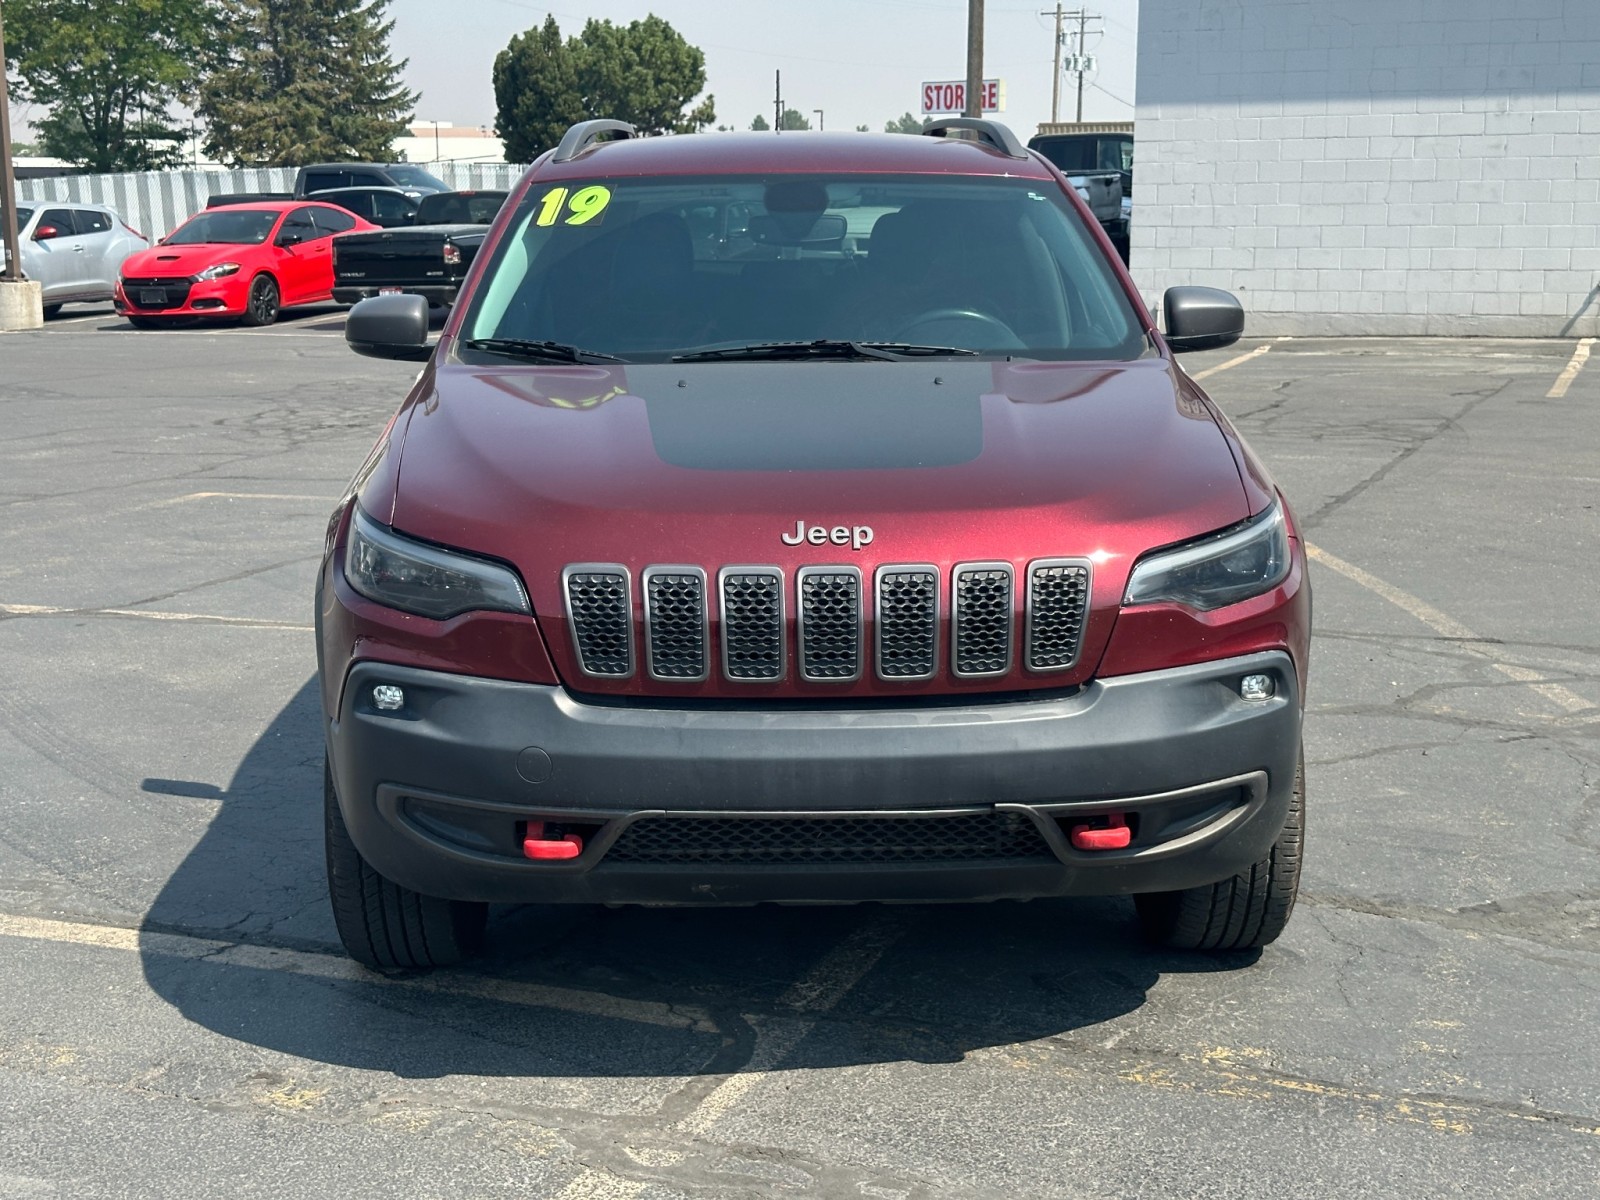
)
(415, 177)
(645, 269)
(225, 227)
(24, 215)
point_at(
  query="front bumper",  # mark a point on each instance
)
(225, 297)
(435, 794)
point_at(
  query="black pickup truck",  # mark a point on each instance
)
(428, 259)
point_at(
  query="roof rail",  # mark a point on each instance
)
(983, 130)
(586, 133)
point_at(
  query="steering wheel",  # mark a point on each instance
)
(972, 315)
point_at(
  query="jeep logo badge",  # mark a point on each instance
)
(854, 536)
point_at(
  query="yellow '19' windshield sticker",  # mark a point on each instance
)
(586, 206)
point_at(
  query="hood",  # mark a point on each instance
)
(735, 463)
(160, 262)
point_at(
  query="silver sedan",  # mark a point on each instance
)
(74, 251)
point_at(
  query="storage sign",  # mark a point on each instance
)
(951, 96)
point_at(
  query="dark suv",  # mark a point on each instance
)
(807, 519)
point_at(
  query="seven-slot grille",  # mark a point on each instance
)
(1058, 605)
(830, 618)
(981, 616)
(830, 624)
(752, 623)
(675, 623)
(599, 600)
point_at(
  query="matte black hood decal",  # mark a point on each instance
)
(815, 416)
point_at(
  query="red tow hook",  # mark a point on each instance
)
(1114, 835)
(536, 845)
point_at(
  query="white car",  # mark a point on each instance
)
(74, 251)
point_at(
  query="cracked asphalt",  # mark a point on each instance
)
(176, 1019)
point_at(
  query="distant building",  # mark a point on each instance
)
(1368, 167)
(441, 141)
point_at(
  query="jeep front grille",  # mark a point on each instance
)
(601, 609)
(831, 838)
(830, 624)
(981, 613)
(908, 622)
(752, 623)
(675, 623)
(832, 610)
(1057, 605)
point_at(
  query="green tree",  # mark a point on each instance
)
(304, 80)
(109, 73)
(793, 118)
(644, 73)
(906, 124)
(536, 92)
(760, 125)
(863, 129)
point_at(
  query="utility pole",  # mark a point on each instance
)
(8, 179)
(777, 102)
(1083, 18)
(1055, 77)
(820, 126)
(974, 58)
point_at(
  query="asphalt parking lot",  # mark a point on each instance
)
(177, 1019)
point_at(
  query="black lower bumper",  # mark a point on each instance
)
(435, 294)
(436, 794)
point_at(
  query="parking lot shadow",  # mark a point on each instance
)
(609, 992)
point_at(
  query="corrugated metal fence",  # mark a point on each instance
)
(157, 202)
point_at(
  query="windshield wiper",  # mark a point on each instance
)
(822, 348)
(558, 352)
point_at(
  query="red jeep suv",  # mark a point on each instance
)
(807, 518)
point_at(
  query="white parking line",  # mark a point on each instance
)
(238, 496)
(1234, 362)
(338, 968)
(1447, 626)
(145, 614)
(815, 992)
(1580, 355)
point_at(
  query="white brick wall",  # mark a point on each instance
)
(1374, 166)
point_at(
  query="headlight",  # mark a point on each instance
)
(1221, 569)
(418, 578)
(220, 271)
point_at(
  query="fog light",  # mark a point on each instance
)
(1251, 687)
(388, 698)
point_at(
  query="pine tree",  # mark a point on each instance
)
(306, 80)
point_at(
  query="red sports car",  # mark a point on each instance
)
(245, 263)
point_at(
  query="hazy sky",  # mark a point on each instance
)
(861, 61)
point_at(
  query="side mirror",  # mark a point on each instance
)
(390, 327)
(285, 240)
(45, 232)
(1202, 318)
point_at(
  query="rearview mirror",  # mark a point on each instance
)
(1202, 318)
(45, 232)
(798, 229)
(390, 327)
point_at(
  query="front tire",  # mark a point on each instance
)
(51, 310)
(261, 308)
(383, 924)
(1243, 912)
